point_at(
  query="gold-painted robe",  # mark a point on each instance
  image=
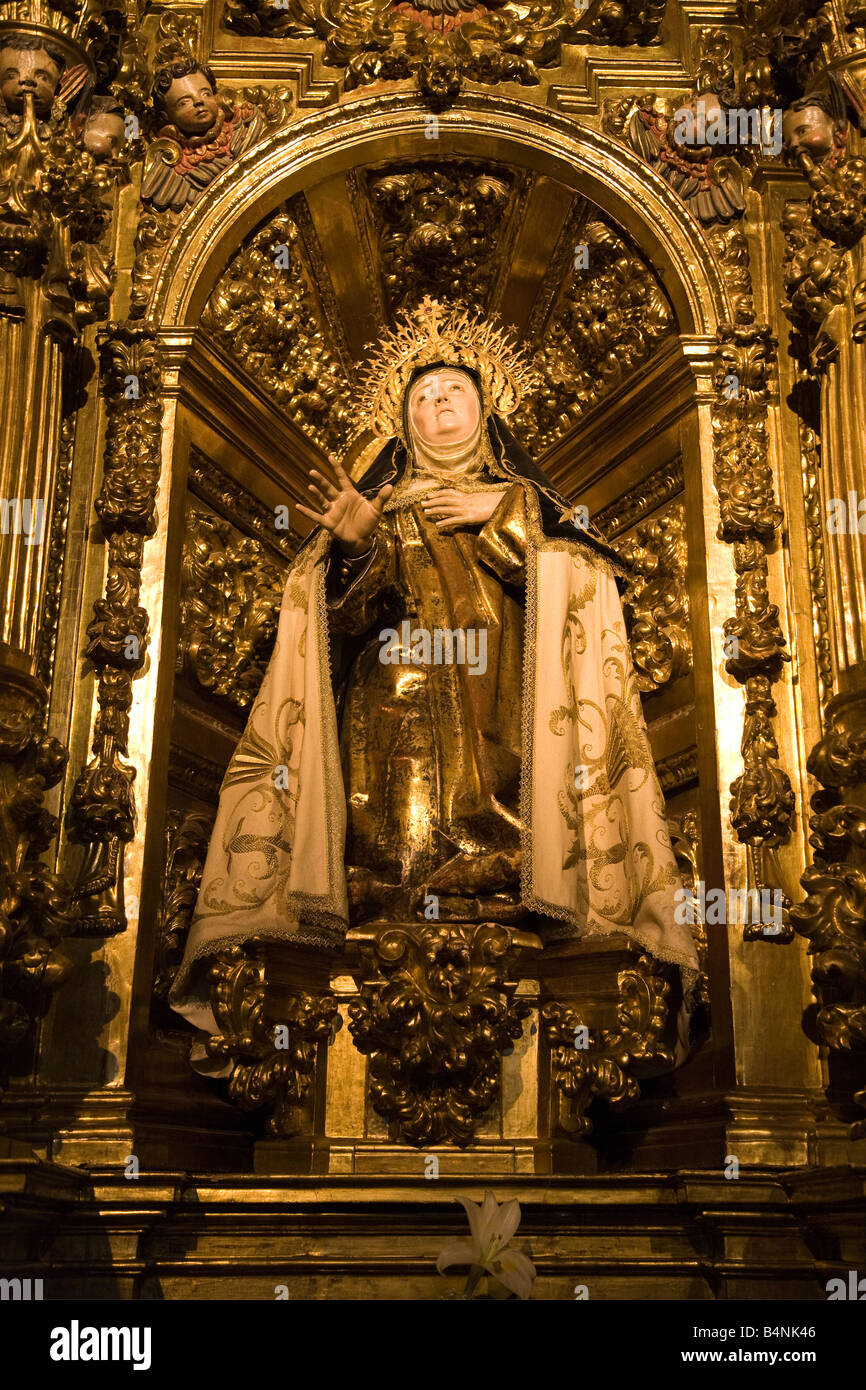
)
(430, 750)
(432, 780)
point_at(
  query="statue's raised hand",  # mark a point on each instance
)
(349, 517)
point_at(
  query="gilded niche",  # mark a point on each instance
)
(601, 311)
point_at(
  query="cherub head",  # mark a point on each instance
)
(816, 125)
(184, 95)
(29, 64)
(103, 128)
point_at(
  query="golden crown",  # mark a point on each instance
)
(435, 332)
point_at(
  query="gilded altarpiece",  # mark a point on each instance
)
(208, 214)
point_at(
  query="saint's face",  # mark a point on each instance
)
(23, 71)
(444, 407)
(810, 129)
(191, 104)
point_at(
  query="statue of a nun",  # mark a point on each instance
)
(450, 716)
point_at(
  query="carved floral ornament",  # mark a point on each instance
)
(443, 42)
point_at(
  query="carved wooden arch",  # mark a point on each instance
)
(397, 127)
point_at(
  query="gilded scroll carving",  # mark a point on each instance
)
(816, 283)
(267, 1068)
(187, 834)
(229, 608)
(102, 806)
(57, 174)
(818, 233)
(435, 1013)
(36, 907)
(606, 1063)
(438, 230)
(685, 833)
(656, 603)
(782, 40)
(762, 799)
(832, 917)
(609, 317)
(444, 44)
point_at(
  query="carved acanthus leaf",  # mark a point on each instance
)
(272, 1064)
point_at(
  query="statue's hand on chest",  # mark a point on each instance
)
(452, 510)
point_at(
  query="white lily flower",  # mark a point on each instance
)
(492, 1225)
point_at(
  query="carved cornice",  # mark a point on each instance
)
(224, 493)
(443, 44)
(678, 770)
(660, 487)
(190, 771)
